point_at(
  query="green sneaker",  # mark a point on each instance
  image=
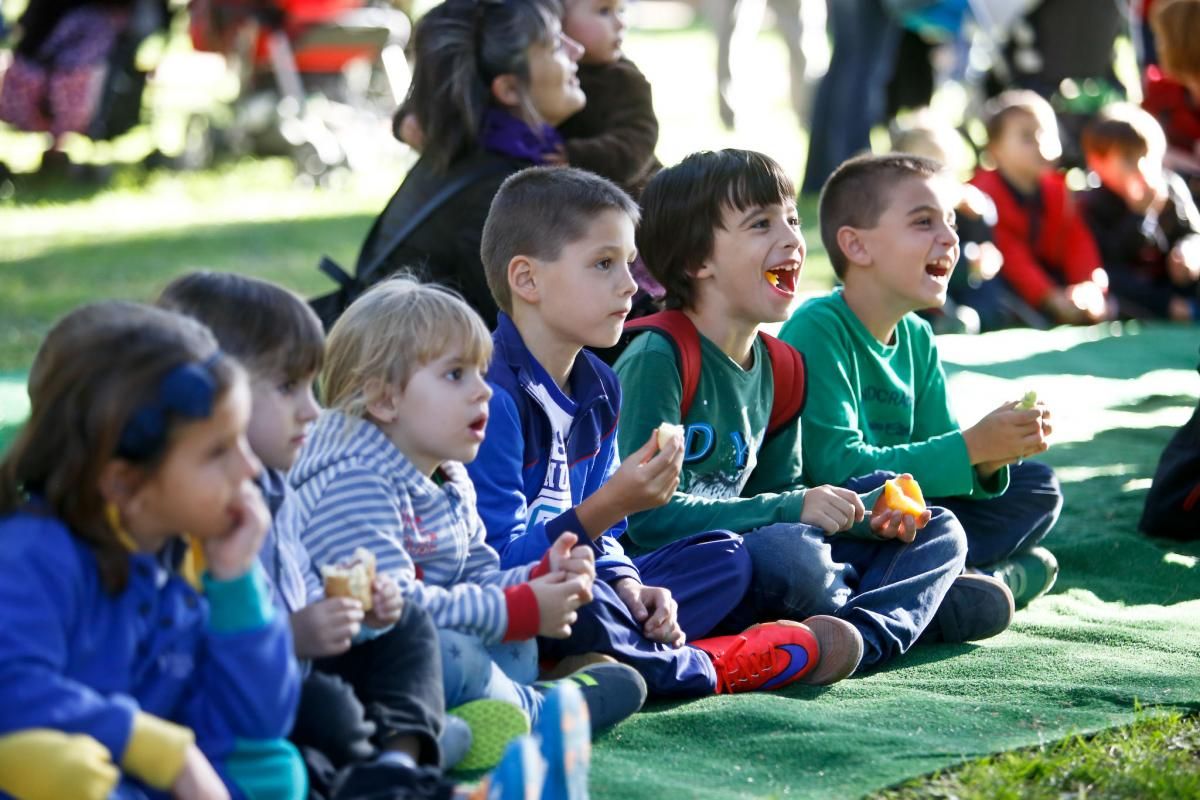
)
(493, 724)
(1029, 574)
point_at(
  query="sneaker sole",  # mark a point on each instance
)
(984, 586)
(520, 775)
(566, 735)
(493, 724)
(841, 648)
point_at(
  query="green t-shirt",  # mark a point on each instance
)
(730, 479)
(879, 406)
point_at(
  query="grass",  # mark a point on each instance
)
(64, 245)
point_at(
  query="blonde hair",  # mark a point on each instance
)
(391, 331)
(1175, 23)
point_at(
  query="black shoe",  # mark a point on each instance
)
(976, 607)
(612, 691)
(386, 780)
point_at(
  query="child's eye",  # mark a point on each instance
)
(922, 222)
(794, 222)
(288, 387)
(455, 374)
(604, 264)
(761, 223)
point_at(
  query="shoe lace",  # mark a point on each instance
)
(741, 664)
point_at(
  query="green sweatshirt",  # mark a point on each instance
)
(875, 406)
(730, 479)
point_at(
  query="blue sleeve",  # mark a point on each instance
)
(248, 682)
(611, 562)
(46, 581)
(498, 475)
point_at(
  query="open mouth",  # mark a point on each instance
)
(479, 425)
(783, 278)
(939, 269)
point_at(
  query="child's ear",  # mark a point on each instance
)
(120, 482)
(852, 245)
(507, 90)
(381, 400)
(522, 279)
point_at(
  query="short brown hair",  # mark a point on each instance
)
(683, 207)
(96, 369)
(860, 190)
(266, 327)
(1127, 129)
(1175, 24)
(1000, 109)
(539, 211)
(391, 331)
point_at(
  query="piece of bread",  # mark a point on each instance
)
(351, 578)
(667, 432)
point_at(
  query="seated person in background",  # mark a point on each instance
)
(881, 403)
(1050, 258)
(976, 301)
(1143, 217)
(1172, 86)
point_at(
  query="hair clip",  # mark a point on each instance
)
(187, 390)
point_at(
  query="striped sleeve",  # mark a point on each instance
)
(357, 508)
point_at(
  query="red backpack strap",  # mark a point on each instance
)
(682, 334)
(791, 388)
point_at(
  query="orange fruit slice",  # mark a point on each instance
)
(903, 495)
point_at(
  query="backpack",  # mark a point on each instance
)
(787, 365)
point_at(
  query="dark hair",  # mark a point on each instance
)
(97, 368)
(1175, 23)
(1126, 128)
(1001, 108)
(683, 207)
(860, 190)
(539, 211)
(460, 46)
(266, 327)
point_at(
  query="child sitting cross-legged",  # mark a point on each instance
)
(383, 470)
(881, 402)
(556, 249)
(721, 233)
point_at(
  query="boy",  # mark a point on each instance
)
(888, 225)
(556, 248)
(720, 233)
(1050, 259)
(1143, 217)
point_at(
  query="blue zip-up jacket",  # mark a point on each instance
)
(77, 659)
(511, 466)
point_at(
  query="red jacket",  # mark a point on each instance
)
(1063, 254)
(1173, 107)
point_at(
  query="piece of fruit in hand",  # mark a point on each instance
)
(901, 494)
(1028, 400)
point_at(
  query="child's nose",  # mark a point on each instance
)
(309, 409)
(573, 48)
(248, 464)
(483, 392)
(629, 285)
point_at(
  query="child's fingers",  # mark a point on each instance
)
(646, 451)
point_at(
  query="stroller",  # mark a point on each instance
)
(319, 80)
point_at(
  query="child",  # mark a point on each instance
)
(393, 673)
(407, 404)
(1172, 87)
(556, 248)
(888, 225)
(136, 433)
(721, 234)
(1143, 217)
(616, 132)
(1050, 259)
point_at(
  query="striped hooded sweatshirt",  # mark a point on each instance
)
(356, 489)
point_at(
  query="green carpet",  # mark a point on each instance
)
(1121, 629)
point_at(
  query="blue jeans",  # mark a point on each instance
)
(473, 671)
(853, 94)
(886, 589)
(1000, 527)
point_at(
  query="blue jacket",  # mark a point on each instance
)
(77, 659)
(511, 466)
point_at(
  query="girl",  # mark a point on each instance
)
(491, 80)
(137, 434)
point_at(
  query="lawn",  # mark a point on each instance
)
(1120, 633)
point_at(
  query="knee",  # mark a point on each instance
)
(948, 532)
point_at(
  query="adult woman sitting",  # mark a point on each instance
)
(491, 81)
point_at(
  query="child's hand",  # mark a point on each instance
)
(557, 597)
(198, 780)
(326, 627)
(232, 555)
(572, 559)
(655, 609)
(1183, 262)
(1089, 301)
(1007, 435)
(386, 603)
(888, 523)
(647, 479)
(831, 508)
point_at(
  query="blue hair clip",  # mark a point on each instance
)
(187, 390)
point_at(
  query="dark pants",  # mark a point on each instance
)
(1001, 527)
(707, 574)
(380, 689)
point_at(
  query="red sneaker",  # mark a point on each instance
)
(766, 656)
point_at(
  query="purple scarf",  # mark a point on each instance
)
(503, 133)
